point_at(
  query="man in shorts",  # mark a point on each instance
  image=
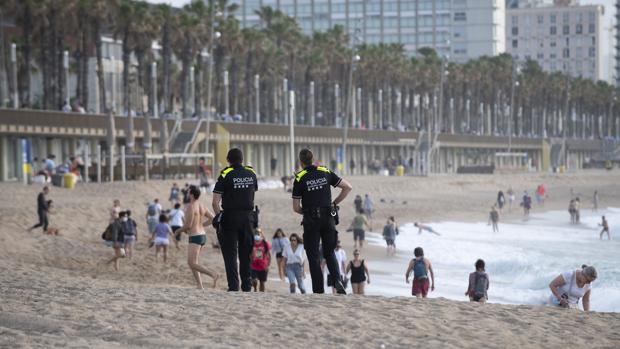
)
(420, 267)
(359, 223)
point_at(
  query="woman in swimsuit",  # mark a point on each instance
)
(359, 273)
(193, 224)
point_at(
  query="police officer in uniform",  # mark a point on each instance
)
(312, 198)
(233, 200)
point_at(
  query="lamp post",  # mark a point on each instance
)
(214, 36)
(257, 96)
(345, 127)
(14, 73)
(514, 83)
(65, 65)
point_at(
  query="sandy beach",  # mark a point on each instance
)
(57, 290)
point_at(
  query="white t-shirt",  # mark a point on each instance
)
(176, 218)
(294, 257)
(575, 292)
(341, 257)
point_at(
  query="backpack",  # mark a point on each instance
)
(419, 269)
(152, 210)
(107, 234)
(480, 285)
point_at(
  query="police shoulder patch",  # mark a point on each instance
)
(251, 169)
(226, 171)
(323, 169)
(300, 174)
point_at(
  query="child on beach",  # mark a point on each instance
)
(174, 194)
(260, 261)
(420, 267)
(478, 284)
(177, 217)
(160, 237)
(605, 226)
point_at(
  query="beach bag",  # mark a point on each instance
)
(152, 210)
(107, 234)
(480, 285)
(419, 269)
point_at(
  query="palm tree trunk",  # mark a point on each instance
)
(83, 68)
(142, 88)
(167, 71)
(3, 71)
(126, 93)
(25, 73)
(103, 108)
(234, 86)
(185, 76)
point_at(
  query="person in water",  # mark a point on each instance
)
(605, 226)
(422, 227)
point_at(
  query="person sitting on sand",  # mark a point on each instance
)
(294, 259)
(194, 213)
(359, 223)
(421, 227)
(279, 242)
(176, 222)
(478, 284)
(117, 241)
(568, 287)
(260, 260)
(605, 226)
(420, 267)
(390, 230)
(130, 233)
(494, 218)
(160, 237)
(359, 273)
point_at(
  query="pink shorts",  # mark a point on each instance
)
(420, 287)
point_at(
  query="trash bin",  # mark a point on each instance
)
(69, 180)
(400, 170)
(57, 180)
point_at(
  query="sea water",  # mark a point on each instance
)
(521, 259)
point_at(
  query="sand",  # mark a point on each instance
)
(56, 291)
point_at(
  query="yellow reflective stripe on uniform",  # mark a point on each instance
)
(249, 168)
(300, 174)
(322, 168)
(226, 171)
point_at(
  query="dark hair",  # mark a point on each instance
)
(156, 200)
(194, 191)
(128, 213)
(122, 214)
(306, 157)
(46, 188)
(299, 240)
(279, 230)
(201, 158)
(234, 156)
(480, 264)
(163, 218)
(177, 206)
(418, 252)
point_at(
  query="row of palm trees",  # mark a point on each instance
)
(388, 89)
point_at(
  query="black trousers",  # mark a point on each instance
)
(320, 229)
(43, 221)
(236, 239)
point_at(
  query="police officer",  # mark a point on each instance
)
(312, 198)
(234, 190)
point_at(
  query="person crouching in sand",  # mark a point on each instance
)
(570, 286)
(420, 267)
(194, 212)
(161, 237)
(478, 284)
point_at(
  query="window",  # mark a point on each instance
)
(566, 53)
(578, 29)
(565, 29)
(552, 18)
(540, 55)
(540, 19)
(552, 30)
(552, 44)
(552, 66)
(515, 31)
(593, 40)
(515, 20)
(580, 17)
(591, 28)
(592, 52)
(460, 16)
(515, 43)
(565, 17)
(567, 42)
(591, 17)
(553, 55)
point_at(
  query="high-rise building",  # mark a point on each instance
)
(558, 37)
(459, 29)
(617, 46)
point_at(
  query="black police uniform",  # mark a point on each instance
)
(312, 186)
(237, 185)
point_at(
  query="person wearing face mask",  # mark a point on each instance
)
(129, 232)
(260, 260)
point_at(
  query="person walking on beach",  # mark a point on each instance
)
(494, 219)
(358, 225)
(570, 286)
(541, 193)
(511, 198)
(116, 239)
(260, 261)
(422, 227)
(160, 237)
(293, 257)
(478, 284)
(526, 203)
(193, 225)
(369, 207)
(605, 226)
(203, 173)
(233, 199)
(130, 233)
(595, 201)
(571, 211)
(115, 210)
(341, 257)
(42, 210)
(358, 203)
(577, 210)
(278, 243)
(176, 222)
(312, 199)
(359, 273)
(501, 199)
(153, 211)
(390, 230)
(174, 194)
(420, 267)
